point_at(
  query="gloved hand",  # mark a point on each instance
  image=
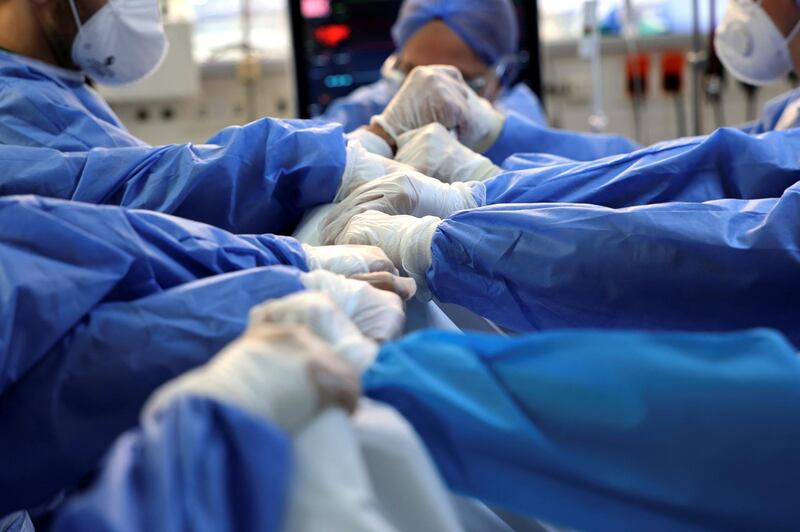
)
(362, 167)
(402, 286)
(284, 374)
(348, 260)
(485, 124)
(371, 142)
(435, 152)
(402, 193)
(433, 94)
(405, 239)
(320, 314)
(378, 314)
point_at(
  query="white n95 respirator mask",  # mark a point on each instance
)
(751, 46)
(122, 43)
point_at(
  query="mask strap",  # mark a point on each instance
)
(793, 33)
(74, 9)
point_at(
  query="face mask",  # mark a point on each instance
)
(122, 43)
(750, 46)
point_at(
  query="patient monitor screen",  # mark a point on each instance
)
(340, 45)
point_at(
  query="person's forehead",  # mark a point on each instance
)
(437, 44)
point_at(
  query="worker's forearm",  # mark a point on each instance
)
(719, 266)
(693, 170)
(91, 386)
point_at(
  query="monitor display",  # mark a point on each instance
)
(340, 45)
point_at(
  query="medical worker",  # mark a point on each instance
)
(585, 429)
(756, 41)
(258, 178)
(100, 305)
(608, 430)
(717, 265)
(214, 449)
(478, 37)
(631, 259)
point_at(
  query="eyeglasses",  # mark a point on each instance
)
(503, 71)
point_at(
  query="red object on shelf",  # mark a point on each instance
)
(672, 70)
(332, 35)
(637, 72)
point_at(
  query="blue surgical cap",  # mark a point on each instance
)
(489, 27)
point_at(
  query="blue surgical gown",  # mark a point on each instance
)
(522, 136)
(198, 464)
(356, 109)
(714, 266)
(258, 178)
(726, 164)
(100, 305)
(608, 430)
(773, 112)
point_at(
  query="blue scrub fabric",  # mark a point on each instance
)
(356, 109)
(714, 266)
(773, 112)
(196, 465)
(530, 140)
(726, 164)
(100, 305)
(257, 178)
(608, 430)
(523, 135)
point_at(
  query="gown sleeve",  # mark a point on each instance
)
(89, 387)
(60, 260)
(725, 164)
(715, 266)
(608, 430)
(197, 464)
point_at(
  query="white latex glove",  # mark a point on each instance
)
(320, 314)
(485, 124)
(371, 142)
(434, 151)
(348, 260)
(402, 193)
(429, 94)
(363, 166)
(405, 239)
(284, 374)
(434, 94)
(378, 314)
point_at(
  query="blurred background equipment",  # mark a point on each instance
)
(341, 45)
(233, 61)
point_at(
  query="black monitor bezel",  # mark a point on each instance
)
(303, 90)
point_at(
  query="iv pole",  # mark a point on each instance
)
(697, 60)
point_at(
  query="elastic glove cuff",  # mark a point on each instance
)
(489, 124)
(380, 120)
(415, 252)
(361, 167)
(478, 191)
(480, 169)
(311, 259)
(371, 142)
(443, 200)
